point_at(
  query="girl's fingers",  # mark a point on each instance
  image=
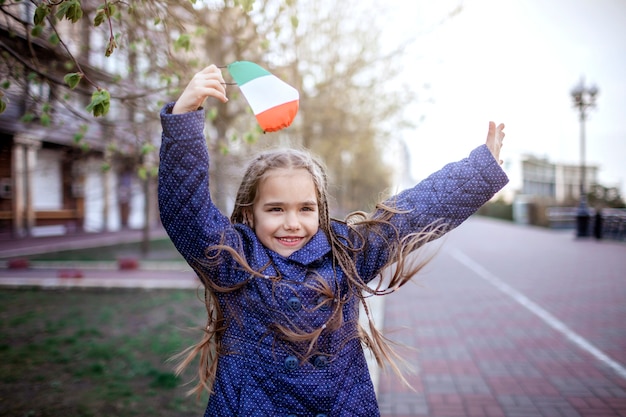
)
(495, 135)
(209, 85)
(211, 69)
(499, 133)
(208, 82)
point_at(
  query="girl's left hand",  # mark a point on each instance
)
(494, 140)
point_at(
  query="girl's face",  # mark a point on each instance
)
(285, 215)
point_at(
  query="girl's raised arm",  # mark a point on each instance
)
(447, 197)
(187, 212)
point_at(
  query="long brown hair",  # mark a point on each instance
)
(343, 255)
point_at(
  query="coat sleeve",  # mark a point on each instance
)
(187, 212)
(448, 196)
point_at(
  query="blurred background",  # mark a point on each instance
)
(390, 91)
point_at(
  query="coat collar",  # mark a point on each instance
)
(315, 248)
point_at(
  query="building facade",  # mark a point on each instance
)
(558, 182)
(547, 187)
(59, 172)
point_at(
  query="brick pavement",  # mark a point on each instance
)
(482, 354)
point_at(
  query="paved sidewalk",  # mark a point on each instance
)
(98, 278)
(512, 322)
(13, 248)
(147, 274)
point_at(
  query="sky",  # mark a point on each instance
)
(516, 62)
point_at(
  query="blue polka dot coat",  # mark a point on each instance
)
(259, 374)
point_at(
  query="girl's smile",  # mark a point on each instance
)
(285, 213)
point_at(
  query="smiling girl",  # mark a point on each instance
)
(283, 280)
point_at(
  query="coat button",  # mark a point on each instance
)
(326, 305)
(294, 303)
(321, 362)
(321, 415)
(291, 363)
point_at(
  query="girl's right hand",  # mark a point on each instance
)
(206, 83)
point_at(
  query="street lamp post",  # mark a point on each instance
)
(584, 99)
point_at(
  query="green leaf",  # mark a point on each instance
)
(246, 5)
(99, 18)
(70, 10)
(146, 148)
(36, 31)
(142, 173)
(112, 11)
(183, 42)
(41, 12)
(73, 79)
(100, 103)
(45, 119)
(54, 39)
(250, 137)
(27, 118)
(294, 22)
(110, 47)
(212, 114)
(3, 106)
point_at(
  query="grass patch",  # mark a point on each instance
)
(96, 352)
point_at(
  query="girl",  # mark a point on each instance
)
(283, 281)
